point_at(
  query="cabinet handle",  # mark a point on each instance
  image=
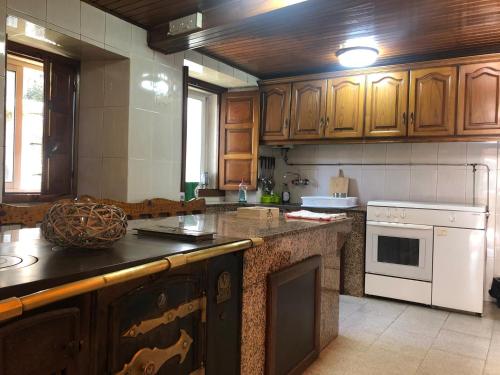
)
(149, 361)
(328, 121)
(412, 118)
(287, 121)
(321, 122)
(404, 118)
(181, 311)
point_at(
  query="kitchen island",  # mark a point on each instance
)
(286, 242)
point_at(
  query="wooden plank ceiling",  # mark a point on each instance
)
(304, 37)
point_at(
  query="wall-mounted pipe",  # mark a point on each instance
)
(474, 167)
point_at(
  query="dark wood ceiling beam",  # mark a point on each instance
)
(221, 21)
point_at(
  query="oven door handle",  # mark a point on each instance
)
(398, 225)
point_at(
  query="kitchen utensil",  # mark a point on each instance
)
(339, 185)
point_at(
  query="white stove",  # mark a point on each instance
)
(429, 253)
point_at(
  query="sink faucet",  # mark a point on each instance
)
(298, 180)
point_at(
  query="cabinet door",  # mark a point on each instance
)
(275, 107)
(432, 101)
(386, 104)
(479, 99)
(345, 107)
(45, 343)
(239, 139)
(308, 109)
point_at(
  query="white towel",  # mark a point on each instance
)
(319, 216)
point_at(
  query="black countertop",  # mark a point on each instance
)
(56, 266)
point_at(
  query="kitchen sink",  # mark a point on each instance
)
(329, 202)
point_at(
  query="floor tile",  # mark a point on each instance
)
(351, 299)
(491, 310)
(381, 361)
(388, 309)
(462, 344)
(403, 342)
(421, 320)
(473, 325)
(438, 362)
(386, 337)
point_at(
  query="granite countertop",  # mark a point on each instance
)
(289, 206)
(228, 224)
(55, 266)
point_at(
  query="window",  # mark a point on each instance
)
(201, 138)
(40, 96)
(23, 125)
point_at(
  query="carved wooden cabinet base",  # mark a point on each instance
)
(181, 322)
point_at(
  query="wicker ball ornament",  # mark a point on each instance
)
(86, 225)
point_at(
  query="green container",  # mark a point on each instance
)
(266, 198)
(189, 188)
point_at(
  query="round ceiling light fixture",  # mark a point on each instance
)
(357, 57)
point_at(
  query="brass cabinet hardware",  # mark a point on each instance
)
(169, 316)
(223, 287)
(149, 361)
(16, 306)
(412, 118)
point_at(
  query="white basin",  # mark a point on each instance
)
(328, 201)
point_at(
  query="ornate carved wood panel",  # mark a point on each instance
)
(479, 99)
(308, 109)
(239, 139)
(386, 104)
(345, 107)
(432, 101)
(275, 101)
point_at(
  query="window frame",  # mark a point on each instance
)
(190, 82)
(31, 53)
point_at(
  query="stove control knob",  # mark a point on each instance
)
(452, 218)
(403, 214)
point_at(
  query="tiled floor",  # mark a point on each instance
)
(385, 337)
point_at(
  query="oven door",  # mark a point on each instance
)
(400, 250)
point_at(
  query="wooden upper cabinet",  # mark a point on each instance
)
(275, 109)
(386, 104)
(239, 139)
(345, 107)
(432, 101)
(308, 109)
(479, 99)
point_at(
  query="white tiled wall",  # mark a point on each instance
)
(417, 183)
(103, 129)
(130, 109)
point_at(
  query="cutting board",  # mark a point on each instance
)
(339, 184)
(258, 212)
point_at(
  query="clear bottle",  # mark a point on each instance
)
(242, 192)
(285, 194)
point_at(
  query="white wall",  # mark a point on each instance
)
(417, 183)
(103, 129)
(130, 117)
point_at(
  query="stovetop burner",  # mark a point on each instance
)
(9, 262)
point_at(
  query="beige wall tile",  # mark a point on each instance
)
(93, 22)
(34, 8)
(65, 14)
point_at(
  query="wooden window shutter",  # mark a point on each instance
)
(60, 93)
(239, 139)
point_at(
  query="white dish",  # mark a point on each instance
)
(329, 202)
